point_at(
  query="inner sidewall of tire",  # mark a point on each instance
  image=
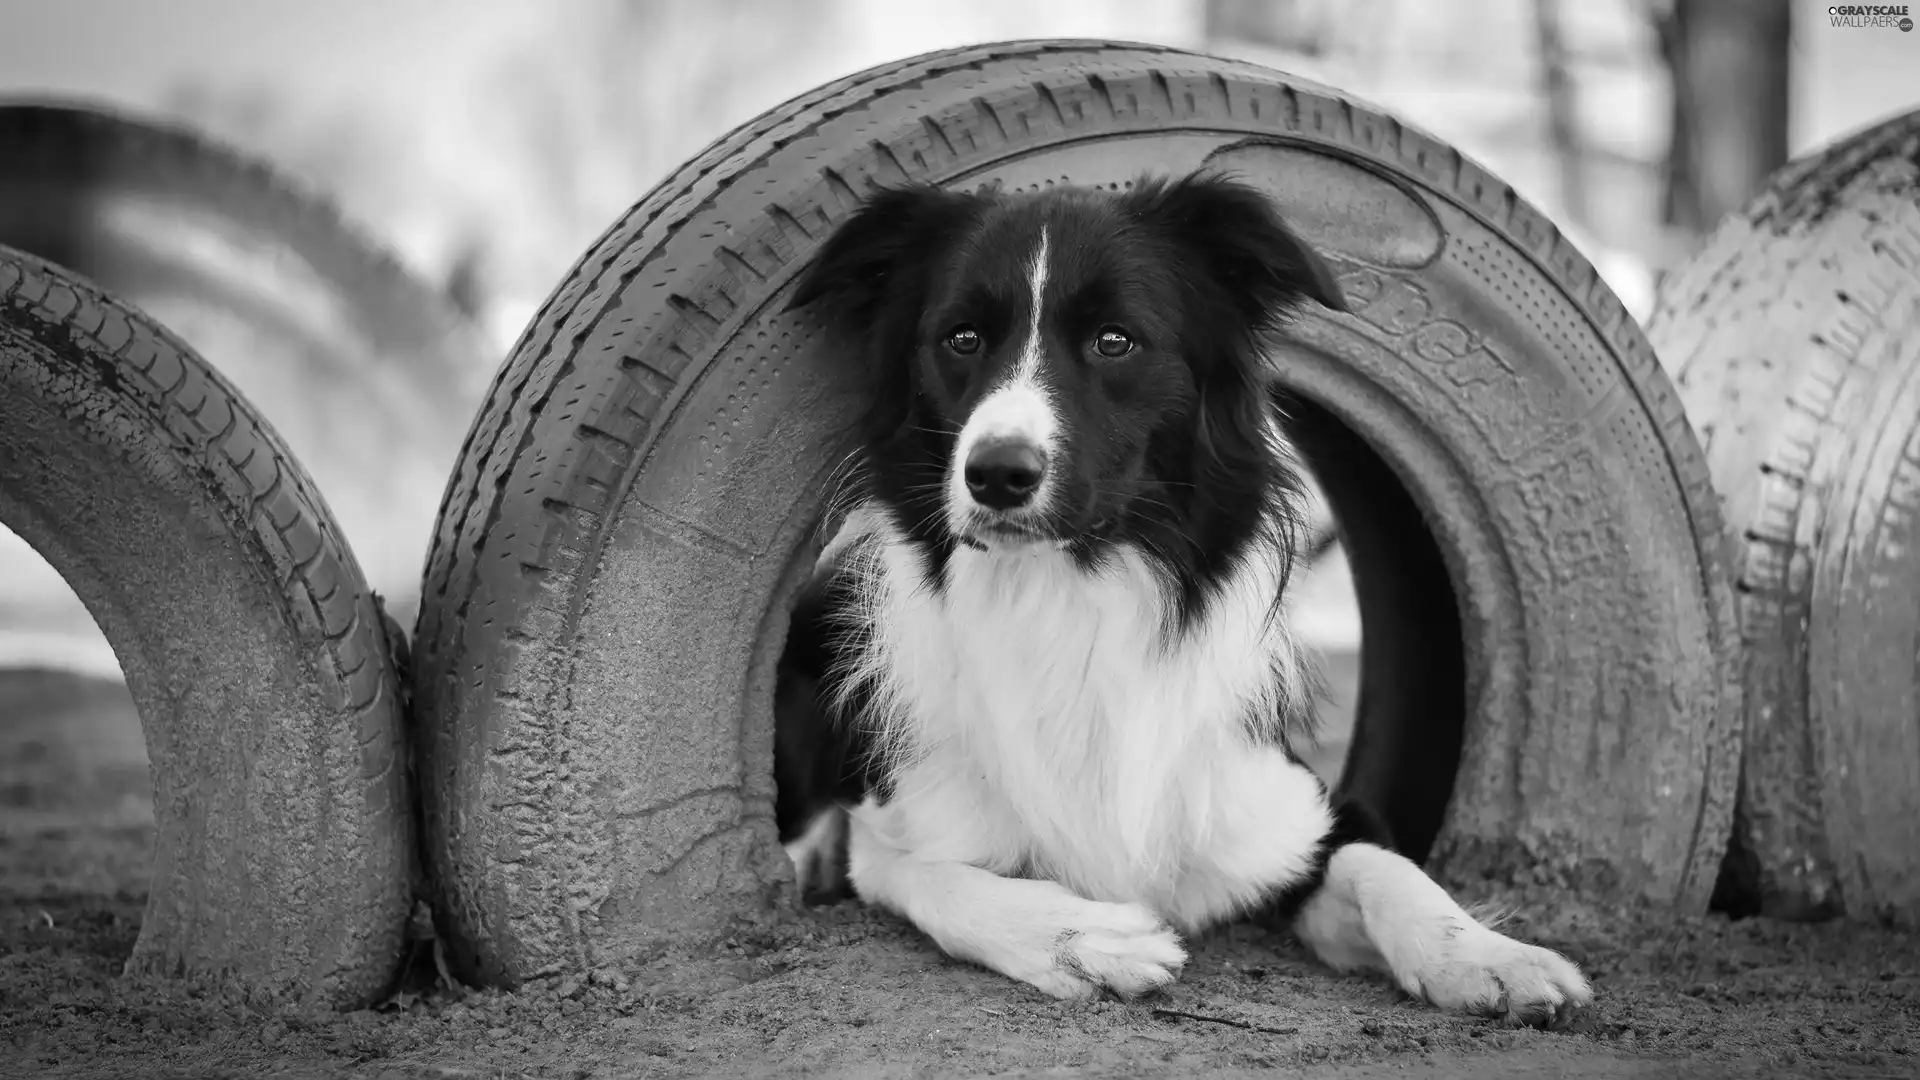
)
(1410, 711)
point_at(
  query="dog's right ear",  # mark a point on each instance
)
(877, 254)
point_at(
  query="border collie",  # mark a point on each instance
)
(1040, 694)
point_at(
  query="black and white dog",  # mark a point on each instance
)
(1041, 687)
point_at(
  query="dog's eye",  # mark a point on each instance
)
(964, 340)
(1113, 342)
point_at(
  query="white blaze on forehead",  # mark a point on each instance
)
(1021, 407)
(1037, 277)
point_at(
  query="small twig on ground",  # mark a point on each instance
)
(1184, 1015)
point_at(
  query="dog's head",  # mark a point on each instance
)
(1071, 366)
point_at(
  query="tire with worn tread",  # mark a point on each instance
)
(1794, 336)
(255, 652)
(1550, 690)
(370, 374)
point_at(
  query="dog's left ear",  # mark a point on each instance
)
(1235, 231)
(869, 257)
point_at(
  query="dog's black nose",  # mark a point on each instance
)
(1004, 473)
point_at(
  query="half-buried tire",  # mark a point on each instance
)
(251, 644)
(1794, 335)
(1550, 690)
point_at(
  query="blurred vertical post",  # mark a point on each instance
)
(1730, 62)
(1563, 129)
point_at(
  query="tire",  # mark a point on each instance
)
(1794, 336)
(253, 648)
(371, 376)
(1550, 687)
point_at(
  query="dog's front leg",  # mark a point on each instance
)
(1377, 909)
(1038, 932)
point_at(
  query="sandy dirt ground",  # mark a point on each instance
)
(845, 992)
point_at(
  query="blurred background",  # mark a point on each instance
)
(491, 141)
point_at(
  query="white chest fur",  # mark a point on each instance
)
(1045, 721)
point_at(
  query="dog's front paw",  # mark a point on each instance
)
(1124, 948)
(819, 857)
(1486, 972)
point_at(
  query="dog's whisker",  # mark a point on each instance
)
(950, 433)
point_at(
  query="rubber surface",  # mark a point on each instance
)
(248, 637)
(370, 375)
(1794, 335)
(619, 547)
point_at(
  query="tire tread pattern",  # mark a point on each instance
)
(268, 501)
(1783, 332)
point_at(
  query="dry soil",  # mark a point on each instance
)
(845, 992)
